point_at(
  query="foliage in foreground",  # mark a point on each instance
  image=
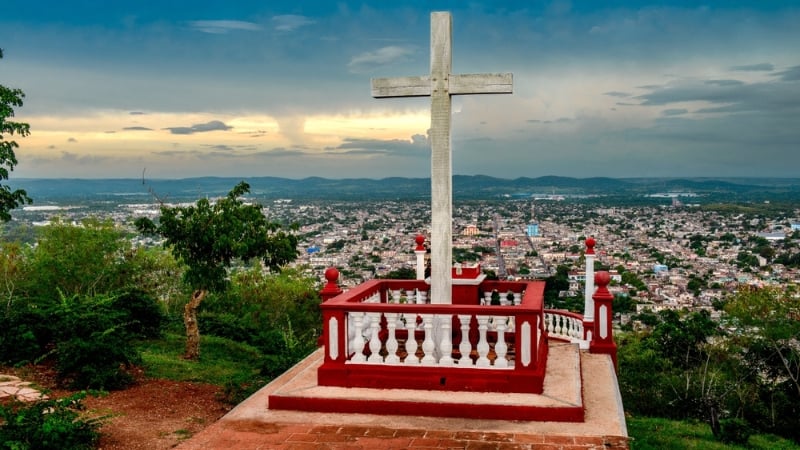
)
(209, 237)
(48, 425)
(649, 433)
(233, 365)
(740, 376)
(10, 98)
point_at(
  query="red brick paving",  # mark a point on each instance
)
(330, 437)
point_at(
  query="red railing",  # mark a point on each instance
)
(384, 334)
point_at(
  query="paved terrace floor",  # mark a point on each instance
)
(252, 425)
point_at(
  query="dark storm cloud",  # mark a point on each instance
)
(762, 67)
(137, 129)
(790, 74)
(419, 145)
(214, 125)
(767, 98)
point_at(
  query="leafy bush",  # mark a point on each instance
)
(100, 362)
(93, 347)
(145, 316)
(48, 424)
(735, 431)
(226, 325)
(24, 334)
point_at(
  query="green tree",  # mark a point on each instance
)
(10, 98)
(208, 237)
(769, 322)
(87, 259)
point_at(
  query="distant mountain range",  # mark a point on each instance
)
(45, 191)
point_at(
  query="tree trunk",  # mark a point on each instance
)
(190, 322)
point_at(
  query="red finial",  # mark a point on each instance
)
(331, 289)
(601, 280)
(420, 240)
(332, 275)
(590, 245)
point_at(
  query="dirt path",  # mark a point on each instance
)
(151, 414)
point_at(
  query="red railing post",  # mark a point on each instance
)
(602, 338)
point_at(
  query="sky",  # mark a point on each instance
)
(176, 89)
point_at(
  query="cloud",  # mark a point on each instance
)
(379, 57)
(70, 157)
(724, 82)
(419, 145)
(72, 140)
(290, 22)
(137, 129)
(174, 153)
(790, 74)
(617, 94)
(729, 96)
(214, 125)
(762, 67)
(674, 112)
(223, 26)
(137, 113)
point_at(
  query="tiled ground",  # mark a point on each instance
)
(253, 425)
(257, 435)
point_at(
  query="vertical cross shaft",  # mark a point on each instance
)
(440, 85)
(441, 160)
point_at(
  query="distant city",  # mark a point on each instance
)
(685, 247)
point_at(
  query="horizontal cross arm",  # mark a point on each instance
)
(401, 87)
(482, 83)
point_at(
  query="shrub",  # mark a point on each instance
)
(145, 316)
(226, 325)
(735, 431)
(93, 347)
(100, 362)
(48, 425)
(23, 335)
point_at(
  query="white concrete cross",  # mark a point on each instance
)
(440, 85)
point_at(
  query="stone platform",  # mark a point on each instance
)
(579, 380)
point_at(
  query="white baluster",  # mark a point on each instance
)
(391, 341)
(351, 329)
(411, 341)
(428, 346)
(483, 344)
(375, 339)
(446, 345)
(411, 296)
(395, 296)
(358, 339)
(548, 322)
(465, 347)
(500, 348)
(517, 298)
(487, 298)
(422, 297)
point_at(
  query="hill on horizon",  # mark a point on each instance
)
(44, 190)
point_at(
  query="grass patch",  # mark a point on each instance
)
(221, 360)
(648, 433)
